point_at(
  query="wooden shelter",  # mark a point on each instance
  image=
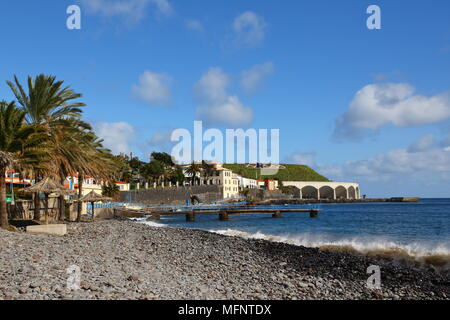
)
(47, 186)
(94, 197)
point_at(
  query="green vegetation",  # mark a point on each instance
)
(42, 136)
(289, 172)
(160, 170)
(111, 189)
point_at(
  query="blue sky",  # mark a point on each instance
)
(362, 105)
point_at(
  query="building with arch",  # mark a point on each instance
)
(326, 190)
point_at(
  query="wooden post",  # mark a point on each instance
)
(190, 217)
(46, 208)
(93, 213)
(223, 216)
(313, 213)
(276, 214)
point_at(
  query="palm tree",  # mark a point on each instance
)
(47, 100)
(110, 189)
(75, 148)
(21, 145)
(93, 160)
(208, 169)
(48, 105)
(192, 170)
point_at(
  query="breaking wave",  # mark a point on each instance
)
(149, 223)
(437, 257)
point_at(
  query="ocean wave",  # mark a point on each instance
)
(149, 223)
(423, 254)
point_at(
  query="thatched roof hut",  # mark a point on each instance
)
(47, 186)
(93, 197)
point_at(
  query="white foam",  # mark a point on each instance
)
(149, 223)
(362, 245)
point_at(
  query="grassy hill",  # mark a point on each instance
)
(292, 172)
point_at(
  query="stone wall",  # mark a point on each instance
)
(173, 196)
(261, 195)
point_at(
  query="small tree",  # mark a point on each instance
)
(111, 190)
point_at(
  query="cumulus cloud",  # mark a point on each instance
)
(249, 29)
(133, 10)
(194, 25)
(216, 105)
(153, 88)
(252, 78)
(405, 170)
(377, 105)
(392, 165)
(117, 136)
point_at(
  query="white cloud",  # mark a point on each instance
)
(231, 112)
(194, 25)
(153, 88)
(249, 29)
(252, 78)
(216, 105)
(117, 136)
(422, 144)
(163, 6)
(132, 10)
(377, 105)
(393, 165)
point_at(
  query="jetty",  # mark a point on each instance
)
(223, 212)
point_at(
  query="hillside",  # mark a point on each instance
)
(291, 172)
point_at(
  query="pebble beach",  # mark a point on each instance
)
(122, 259)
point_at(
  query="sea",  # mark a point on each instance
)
(411, 232)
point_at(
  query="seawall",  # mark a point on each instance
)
(173, 196)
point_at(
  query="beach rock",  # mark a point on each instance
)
(120, 259)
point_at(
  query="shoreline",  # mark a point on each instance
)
(289, 201)
(121, 259)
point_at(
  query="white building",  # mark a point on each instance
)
(245, 183)
(91, 184)
(222, 177)
(326, 190)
